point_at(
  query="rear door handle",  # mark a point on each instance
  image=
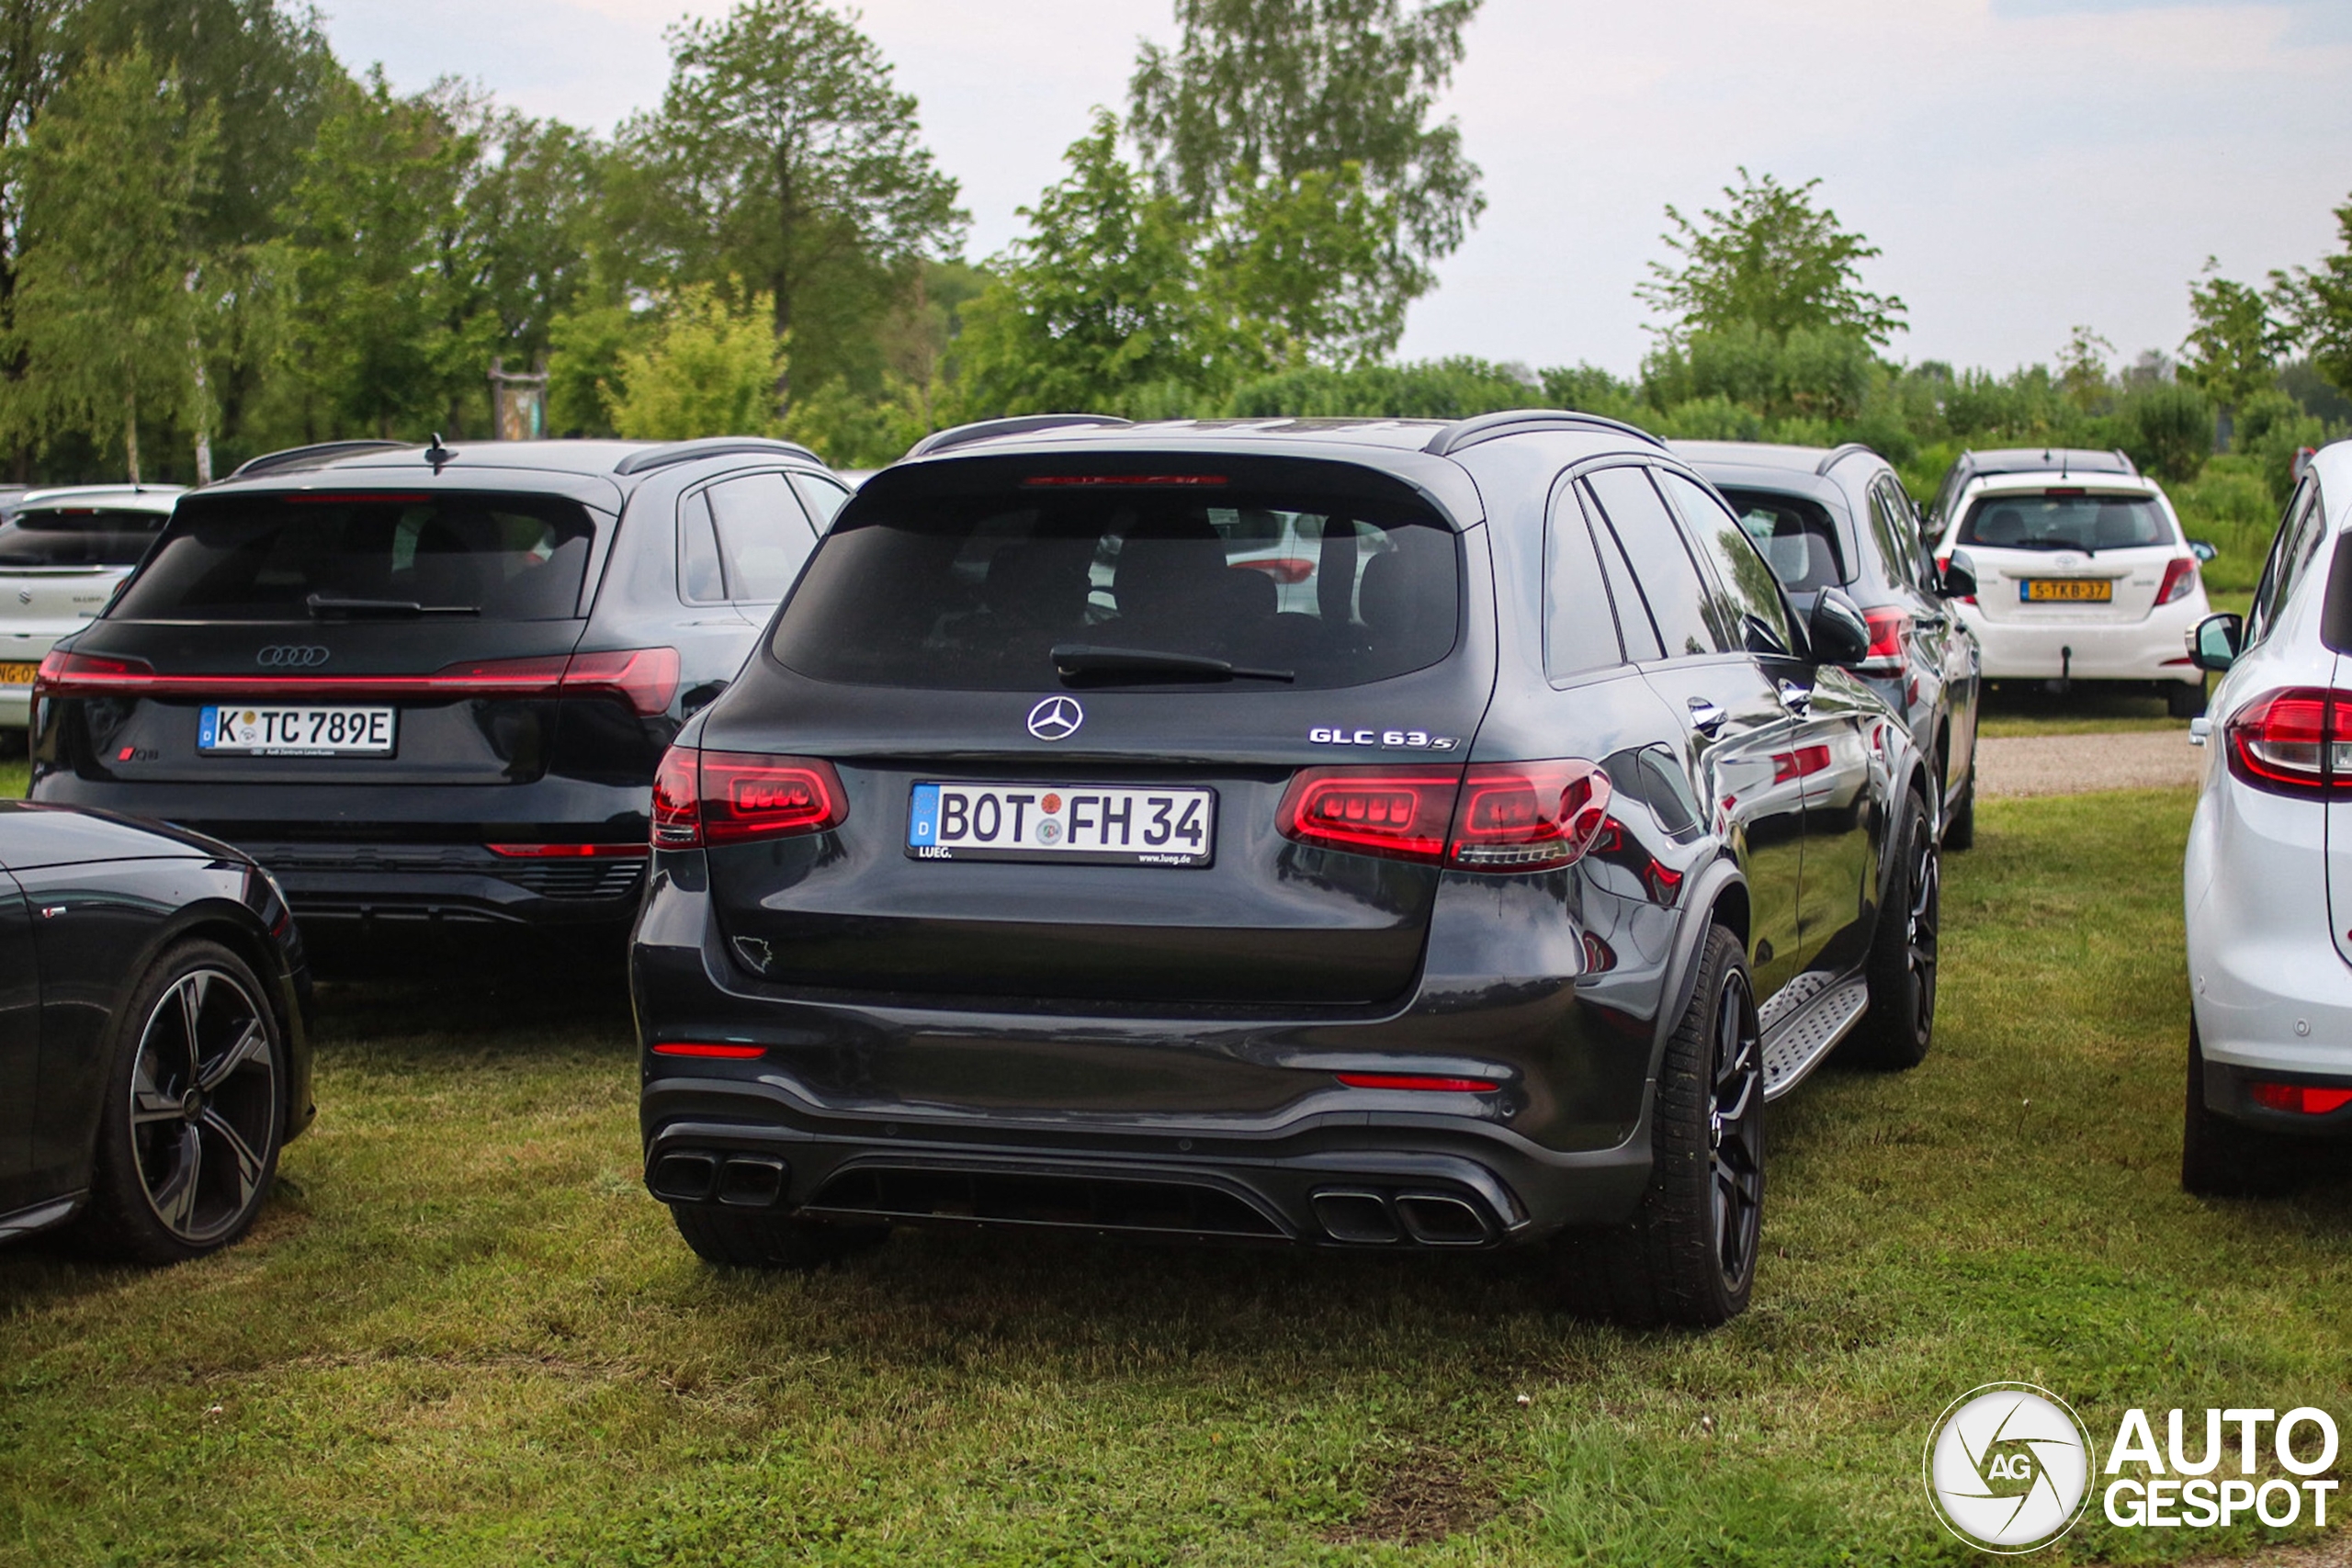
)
(1706, 716)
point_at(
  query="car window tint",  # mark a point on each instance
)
(2067, 519)
(1676, 595)
(822, 497)
(1755, 605)
(78, 537)
(972, 589)
(700, 578)
(1579, 623)
(1898, 536)
(499, 556)
(764, 535)
(1634, 624)
(1794, 535)
(2290, 554)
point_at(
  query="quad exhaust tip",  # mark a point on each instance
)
(1363, 1217)
(737, 1180)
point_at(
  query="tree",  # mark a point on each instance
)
(2082, 368)
(1298, 131)
(2319, 304)
(114, 178)
(783, 155)
(531, 212)
(2234, 350)
(32, 57)
(709, 370)
(1770, 259)
(2169, 429)
(1100, 301)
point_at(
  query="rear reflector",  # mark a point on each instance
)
(732, 797)
(2292, 742)
(645, 677)
(1490, 817)
(1418, 1082)
(2302, 1100)
(710, 1050)
(2180, 579)
(568, 851)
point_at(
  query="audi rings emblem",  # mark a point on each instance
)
(291, 656)
(1056, 719)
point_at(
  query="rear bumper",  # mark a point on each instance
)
(2150, 649)
(449, 883)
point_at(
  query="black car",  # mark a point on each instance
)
(426, 684)
(1839, 517)
(152, 1058)
(1375, 833)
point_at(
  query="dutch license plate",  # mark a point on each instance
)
(294, 731)
(1073, 823)
(2066, 591)
(17, 674)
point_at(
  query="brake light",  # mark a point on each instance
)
(2292, 742)
(2302, 1100)
(646, 678)
(1888, 627)
(2180, 579)
(1396, 813)
(1528, 815)
(567, 852)
(1419, 1082)
(709, 1049)
(745, 796)
(677, 822)
(64, 674)
(1086, 481)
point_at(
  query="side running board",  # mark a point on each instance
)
(1796, 1043)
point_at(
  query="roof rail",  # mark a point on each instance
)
(1837, 455)
(2129, 466)
(1464, 433)
(316, 455)
(711, 447)
(1020, 424)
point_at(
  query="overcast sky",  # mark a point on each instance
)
(2024, 164)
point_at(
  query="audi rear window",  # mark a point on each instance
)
(83, 536)
(1294, 590)
(2064, 520)
(493, 557)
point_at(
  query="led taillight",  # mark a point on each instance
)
(2302, 1100)
(2180, 579)
(677, 821)
(645, 677)
(745, 795)
(1492, 817)
(2292, 742)
(64, 674)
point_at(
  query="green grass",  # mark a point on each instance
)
(462, 1333)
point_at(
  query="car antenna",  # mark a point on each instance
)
(437, 455)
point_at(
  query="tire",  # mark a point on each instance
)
(1959, 827)
(1895, 1033)
(2219, 1157)
(1689, 1257)
(193, 1110)
(769, 1241)
(2185, 701)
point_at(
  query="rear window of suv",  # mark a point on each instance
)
(83, 536)
(1794, 536)
(2064, 520)
(976, 591)
(496, 557)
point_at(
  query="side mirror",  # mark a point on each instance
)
(2203, 550)
(1959, 579)
(2214, 644)
(1836, 630)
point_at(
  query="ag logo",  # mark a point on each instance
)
(1056, 719)
(2009, 1467)
(291, 656)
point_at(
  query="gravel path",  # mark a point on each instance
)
(2078, 764)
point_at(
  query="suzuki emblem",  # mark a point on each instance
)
(1056, 719)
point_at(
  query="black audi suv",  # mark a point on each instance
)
(1368, 833)
(431, 684)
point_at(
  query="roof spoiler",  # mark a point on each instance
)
(1020, 424)
(316, 455)
(712, 446)
(1466, 432)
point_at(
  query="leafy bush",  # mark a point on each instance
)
(2271, 428)
(709, 369)
(1438, 388)
(2168, 429)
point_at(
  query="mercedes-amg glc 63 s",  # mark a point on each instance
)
(1374, 833)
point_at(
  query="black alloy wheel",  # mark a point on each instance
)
(190, 1144)
(1901, 1023)
(1736, 1132)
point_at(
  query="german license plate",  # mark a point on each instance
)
(294, 731)
(1070, 823)
(2066, 591)
(17, 674)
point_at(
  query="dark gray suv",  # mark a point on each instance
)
(1364, 833)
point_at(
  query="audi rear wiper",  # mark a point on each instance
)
(322, 605)
(1084, 659)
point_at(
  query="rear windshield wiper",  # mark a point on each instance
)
(322, 605)
(1086, 658)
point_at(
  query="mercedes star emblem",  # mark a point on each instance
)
(1056, 719)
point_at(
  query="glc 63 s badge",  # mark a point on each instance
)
(1383, 739)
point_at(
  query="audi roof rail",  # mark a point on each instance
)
(712, 446)
(316, 455)
(1837, 455)
(1464, 433)
(1019, 424)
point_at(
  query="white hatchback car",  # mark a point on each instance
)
(2269, 875)
(2082, 572)
(62, 554)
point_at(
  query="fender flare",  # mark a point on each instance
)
(1706, 891)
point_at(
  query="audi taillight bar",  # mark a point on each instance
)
(645, 677)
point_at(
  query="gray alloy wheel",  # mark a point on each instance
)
(1901, 1023)
(204, 1106)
